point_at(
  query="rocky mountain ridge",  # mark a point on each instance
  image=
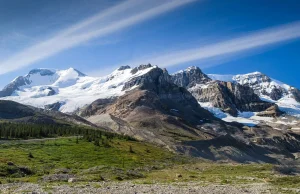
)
(268, 89)
(228, 96)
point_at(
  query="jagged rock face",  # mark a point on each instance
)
(230, 97)
(159, 81)
(190, 77)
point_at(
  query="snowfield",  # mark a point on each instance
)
(71, 88)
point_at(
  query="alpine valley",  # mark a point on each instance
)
(241, 118)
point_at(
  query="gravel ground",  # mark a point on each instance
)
(131, 188)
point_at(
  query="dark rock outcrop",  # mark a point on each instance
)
(296, 94)
(54, 107)
(141, 67)
(275, 94)
(51, 91)
(42, 72)
(123, 67)
(272, 111)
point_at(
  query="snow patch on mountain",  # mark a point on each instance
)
(289, 105)
(247, 118)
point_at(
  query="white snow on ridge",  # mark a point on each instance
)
(289, 105)
(72, 89)
(247, 118)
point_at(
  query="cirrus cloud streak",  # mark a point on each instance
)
(258, 39)
(121, 16)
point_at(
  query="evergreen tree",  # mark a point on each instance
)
(130, 149)
(97, 143)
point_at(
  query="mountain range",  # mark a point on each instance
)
(70, 90)
(242, 117)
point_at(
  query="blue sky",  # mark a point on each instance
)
(97, 36)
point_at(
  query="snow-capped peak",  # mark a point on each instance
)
(67, 77)
(251, 78)
(187, 70)
(70, 88)
(60, 78)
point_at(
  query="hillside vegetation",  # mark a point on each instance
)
(54, 161)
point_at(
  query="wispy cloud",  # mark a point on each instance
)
(230, 48)
(123, 15)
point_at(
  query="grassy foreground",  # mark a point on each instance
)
(30, 160)
(121, 159)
